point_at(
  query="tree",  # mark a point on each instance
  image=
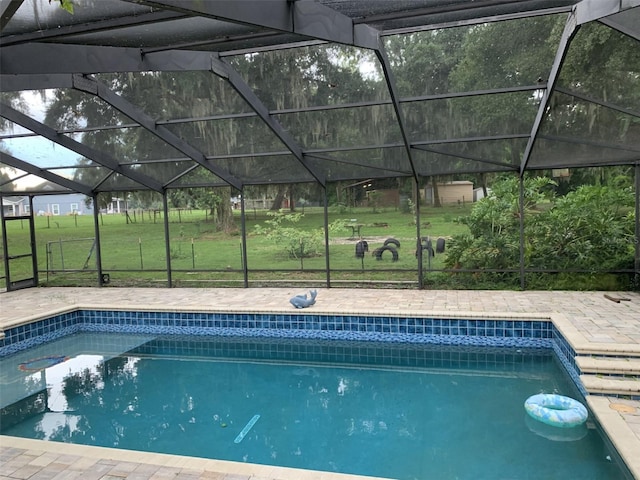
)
(65, 5)
(601, 64)
(5, 179)
(591, 228)
(493, 241)
(467, 59)
(276, 205)
(6, 173)
(298, 243)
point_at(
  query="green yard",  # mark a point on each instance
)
(133, 250)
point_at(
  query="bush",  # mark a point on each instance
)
(590, 229)
(298, 243)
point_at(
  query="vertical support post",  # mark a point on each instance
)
(167, 239)
(49, 257)
(521, 214)
(327, 263)
(96, 229)
(416, 200)
(636, 276)
(7, 275)
(61, 253)
(32, 228)
(243, 226)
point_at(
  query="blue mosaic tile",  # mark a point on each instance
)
(396, 330)
(449, 331)
(567, 356)
(20, 344)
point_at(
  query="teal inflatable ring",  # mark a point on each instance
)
(556, 410)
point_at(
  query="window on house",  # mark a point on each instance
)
(55, 209)
(27, 209)
(74, 208)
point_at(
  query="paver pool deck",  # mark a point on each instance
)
(588, 320)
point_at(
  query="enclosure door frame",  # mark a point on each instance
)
(24, 282)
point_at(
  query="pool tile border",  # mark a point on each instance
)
(533, 333)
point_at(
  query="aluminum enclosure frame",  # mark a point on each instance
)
(62, 51)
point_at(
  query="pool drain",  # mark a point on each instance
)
(622, 408)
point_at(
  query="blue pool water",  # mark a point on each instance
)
(402, 411)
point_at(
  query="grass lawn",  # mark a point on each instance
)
(135, 252)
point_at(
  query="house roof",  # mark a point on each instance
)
(13, 200)
(122, 95)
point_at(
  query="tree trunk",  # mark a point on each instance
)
(292, 205)
(224, 212)
(277, 201)
(436, 194)
(483, 183)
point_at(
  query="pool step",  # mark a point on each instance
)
(610, 375)
(609, 365)
(611, 385)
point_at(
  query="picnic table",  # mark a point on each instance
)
(355, 229)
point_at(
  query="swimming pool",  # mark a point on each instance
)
(440, 405)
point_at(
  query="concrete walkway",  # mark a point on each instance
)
(591, 322)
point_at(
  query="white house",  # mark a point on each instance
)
(53, 204)
(455, 192)
(15, 206)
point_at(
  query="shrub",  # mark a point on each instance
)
(589, 229)
(298, 243)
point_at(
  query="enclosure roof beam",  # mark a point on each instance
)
(612, 22)
(98, 157)
(92, 27)
(226, 71)
(307, 18)
(168, 183)
(360, 164)
(602, 103)
(589, 10)
(45, 174)
(92, 86)
(570, 29)
(486, 11)
(18, 83)
(395, 98)
(484, 138)
(467, 157)
(8, 8)
(593, 143)
(479, 18)
(50, 58)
